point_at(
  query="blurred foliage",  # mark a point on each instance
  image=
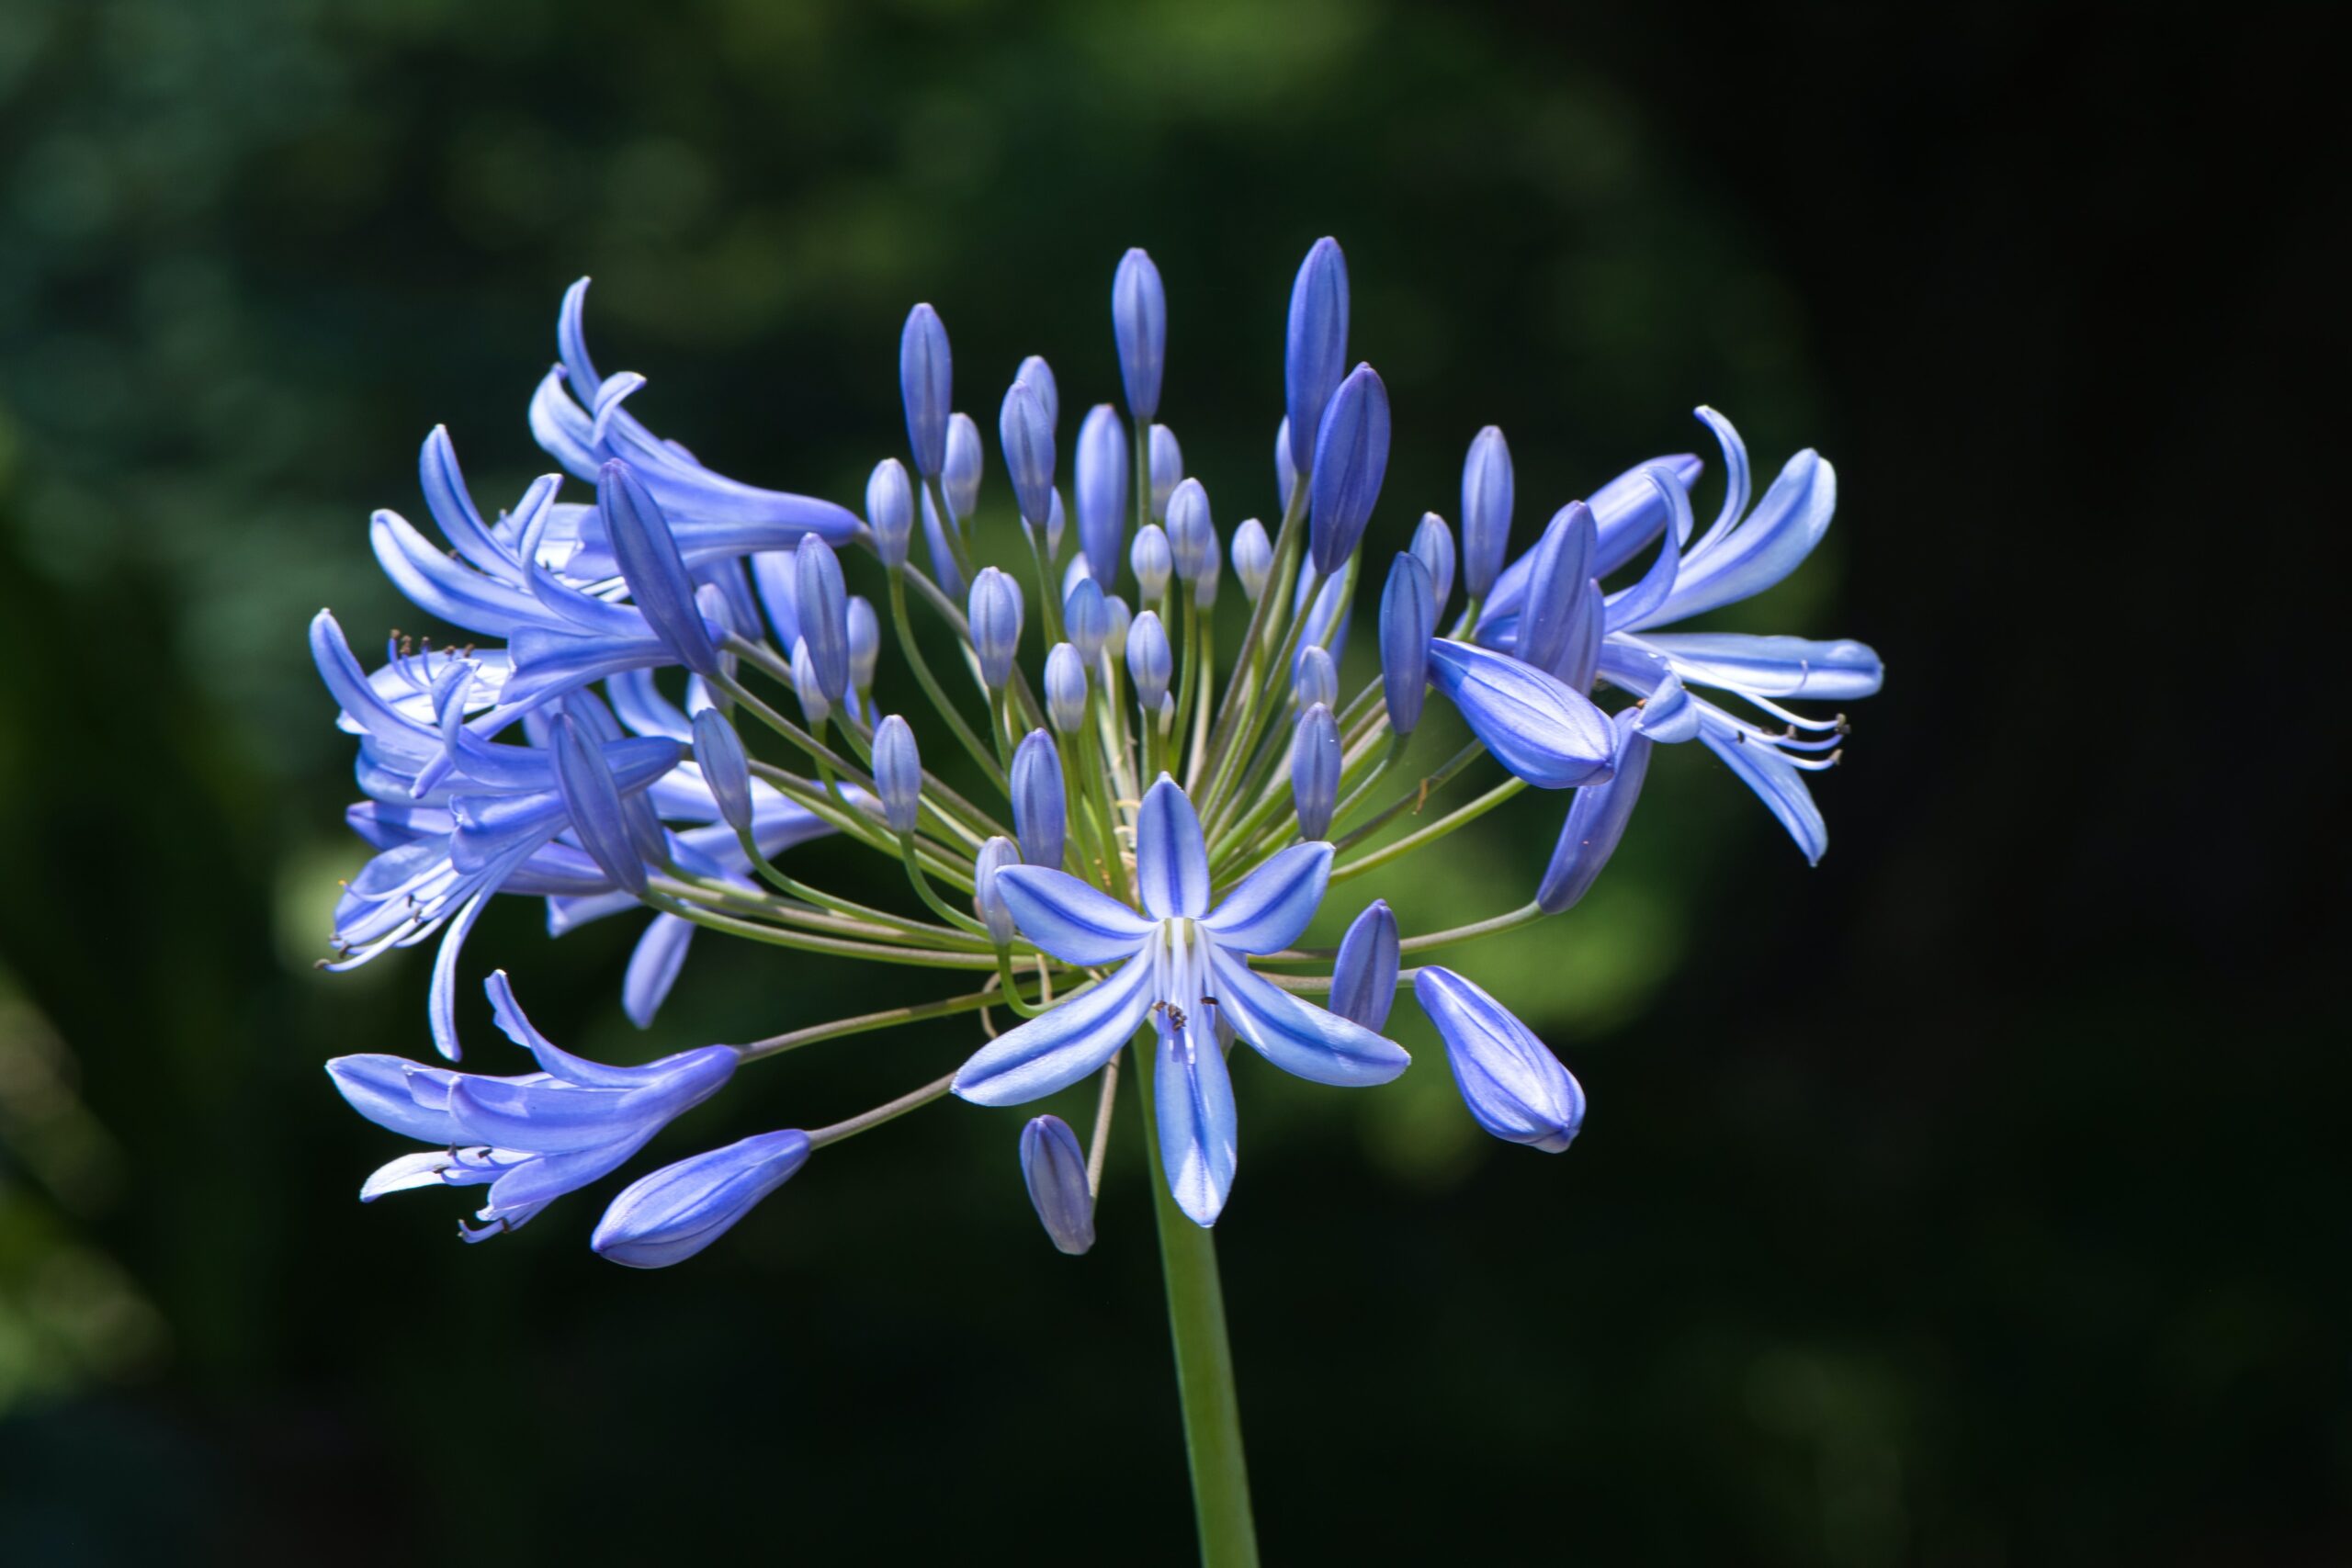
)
(1917, 1219)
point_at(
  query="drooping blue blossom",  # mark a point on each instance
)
(1515, 1087)
(1167, 470)
(1628, 514)
(960, 480)
(1433, 547)
(1182, 965)
(1065, 685)
(1407, 621)
(1028, 437)
(1253, 557)
(1039, 812)
(1363, 976)
(1351, 461)
(1315, 352)
(1192, 536)
(1053, 1166)
(1152, 664)
(898, 773)
(927, 386)
(1486, 498)
(1315, 760)
(1140, 322)
(719, 752)
(1102, 489)
(677, 1211)
(1152, 562)
(890, 510)
(994, 613)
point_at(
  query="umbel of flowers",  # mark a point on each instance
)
(1170, 783)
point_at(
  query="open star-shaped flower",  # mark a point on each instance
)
(1182, 965)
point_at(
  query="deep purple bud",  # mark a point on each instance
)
(1065, 687)
(1152, 561)
(593, 801)
(1316, 351)
(1167, 468)
(1555, 585)
(1351, 460)
(669, 1216)
(1485, 511)
(1596, 817)
(993, 611)
(719, 751)
(824, 613)
(1102, 489)
(1433, 547)
(1028, 438)
(1054, 1169)
(890, 510)
(1253, 557)
(1363, 978)
(1192, 536)
(1510, 1080)
(810, 686)
(1314, 678)
(1139, 320)
(1039, 815)
(1040, 377)
(1087, 618)
(926, 382)
(961, 478)
(1285, 468)
(988, 900)
(1315, 771)
(864, 642)
(898, 773)
(1407, 621)
(1150, 662)
(659, 583)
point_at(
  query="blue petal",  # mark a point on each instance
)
(1061, 1046)
(1544, 733)
(1075, 922)
(535, 1183)
(378, 1087)
(548, 663)
(649, 557)
(1597, 819)
(1193, 1096)
(1297, 1036)
(1777, 781)
(1267, 909)
(1771, 543)
(1772, 666)
(448, 589)
(1172, 861)
(453, 508)
(653, 967)
(552, 1058)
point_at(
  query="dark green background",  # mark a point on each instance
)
(1976, 1198)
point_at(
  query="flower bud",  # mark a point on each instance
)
(824, 613)
(1253, 557)
(1167, 468)
(1314, 679)
(865, 643)
(1028, 440)
(1596, 816)
(593, 799)
(1039, 817)
(1315, 771)
(926, 383)
(651, 563)
(719, 751)
(1286, 467)
(1485, 511)
(898, 773)
(1065, 687)
(810, 686)
(1363, 978)
(1510, 1080)
(1121, 621)
(1192, 536)
(1087, 618)
(988, 900)
(960, 479)
(669, 1216)
(1315, 353)
(1408, 620)
(1351, 461)
(1102, 489)
(1150, 662)
(1057, 522)
(1555, 585)
(1204, 586)
(1152, 562)
(1054, 1169)
(890, 510)
(1433, 547)
(1140, 322)
(1040, 377)
(994, 614)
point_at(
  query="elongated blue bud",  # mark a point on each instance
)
(994, 613)
(890, 510)
(1407, 621)
(1087, 618)
(1054, 1169)
(1512, 1083)
(960, 480)
(1363, 978)
(1351, 461)
(1150, 661)
(1286, 468)
(1555, 585)
(898, 773)
(1315, 771)
(987, 899)
(719, 751)
(669, 1216)
(1314, 678)
(1039, 817)
(927, 383)
(1167, 470)
(655, 570)
(824, 613)
(1596, 817)
(1192, 536)
(1028, 440)
(1485, 511)
(1152, 562)
(810, 686)
(593, 801)
(1122, 621)
(1056, 523)
(1040, 377)
(1433, 547)
(1139, 320)
(865, 643)
(1102, 489)
(1253, 557)
(1315, 353)
(1065, 687)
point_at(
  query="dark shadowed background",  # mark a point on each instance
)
(1976, 1198)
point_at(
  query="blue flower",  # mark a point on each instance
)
(530, 1139)
(1180, 964)
(674, 1212)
